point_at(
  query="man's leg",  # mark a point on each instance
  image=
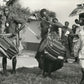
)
(76, 59)
(4, 64)
(67, 53)
(14, 62)
(49, 69)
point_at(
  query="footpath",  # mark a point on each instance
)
(25, 59)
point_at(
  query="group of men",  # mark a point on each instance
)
(51, 25)
(9, 24)
(66, 33)
(79, 43)
(72, 39)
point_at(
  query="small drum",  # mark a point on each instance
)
(8, 46)
(53, 47)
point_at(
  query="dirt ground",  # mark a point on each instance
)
(25, 59)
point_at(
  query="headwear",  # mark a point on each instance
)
(78, 10)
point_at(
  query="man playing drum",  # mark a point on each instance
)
(11, 27)
(45, 60)
(44, 31)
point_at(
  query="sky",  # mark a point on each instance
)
(62, 7)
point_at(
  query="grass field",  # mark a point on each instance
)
(69, 74)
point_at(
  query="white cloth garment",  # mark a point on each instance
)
(80, 33)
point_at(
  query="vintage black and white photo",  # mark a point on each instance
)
(41, 41)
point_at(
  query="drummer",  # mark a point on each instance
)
(11, 25)
(46, 27)
(44, 24)
(44, 31)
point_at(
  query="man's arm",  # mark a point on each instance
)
(19, 20)
(58, 24)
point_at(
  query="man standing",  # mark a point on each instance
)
(74, 37)
(44, 31)
(65, 42)
(11, 25)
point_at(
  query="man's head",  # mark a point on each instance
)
(55, 20)
(74, 26)
(6, 11)
(43, 12)
(66, 23)
(76, 21)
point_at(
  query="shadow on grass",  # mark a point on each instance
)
(25, 70)
(69, 74)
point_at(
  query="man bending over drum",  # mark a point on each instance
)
(45, 62)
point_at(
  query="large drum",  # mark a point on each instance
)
(53, 47)
(8, 47)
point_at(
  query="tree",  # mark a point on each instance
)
(20, 12)
(52, 14)
(11, 2)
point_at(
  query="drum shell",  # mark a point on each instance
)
(49, 51)
(8, 46)
(55, 49)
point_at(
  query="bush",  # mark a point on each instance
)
(20, 12)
